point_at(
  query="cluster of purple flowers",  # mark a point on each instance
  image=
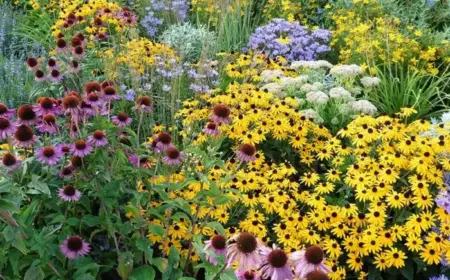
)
(443, 199)
(158, 11)
(204, 76)
(290, 40)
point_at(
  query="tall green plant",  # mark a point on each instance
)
(428, 94)
(235, 28)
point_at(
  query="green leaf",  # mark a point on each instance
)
(228, 275)
(73, 221)
(143, 272)
(9, 233)
(217, 226)
(174, 256)
(36, 186)
(34, 273)
(145, 246)
(7, 205)
(156, 229)
(408, 270)
(20, 245)
(223, 199)
(85, 277)
(125, 266)
(160, 263)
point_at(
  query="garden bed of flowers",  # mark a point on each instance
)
(221, 140)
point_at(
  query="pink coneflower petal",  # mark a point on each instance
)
(26, 115)
(217, 244)
(7, 128)
(309, 260)
(66, 173)
(24, 137)
(48, 124)
(10, 161)
(144, 104)
(5, 112)
(121, 120)
(173, 156)
(164, 141)
(69, 193)
(275, 264)
(49, 155)
(98, 139)
(211, 129)
(110, 94)
(221, 114)
(246, 153)
(244, 250)
(32, 64)
(74, 247)
(81, 148)
(45, 105)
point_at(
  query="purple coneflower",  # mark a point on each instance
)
(92, 87)
(74, 66)
(109, 94)
(121, 120)
(98, 139)
(32, 64)
(75, 42)
(107, 83)
(78, 52)
(74, 247)
(93, 99)
(66, 173)
(52, 64)
(69, 193)
(26, 115)
(74, 130)
(24, 136)
(71, 104)
(139, 161)
(217, 244)
(49, 154)
(211, 129)
(7, 128)
(144, 104)
(87, 110)
(39, 76)
(246, 153)
(81, 148)
(81, 36)
(244, 250)
(61, 45)
(98, 22)
(317, 275)
(10, 161)
(309, 260)
(221, 114)
(5, 112)
(101, 36)
(164, 141)
(45, 105)
(48, 124)
(173, 156)
(55, 76)
(275, 264)
(247, 275)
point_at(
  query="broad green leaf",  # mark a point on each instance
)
(20, 245)
(156, 229)
(145, 246)
(143, 272)
(34, 273)
(217, 226)
(36, 186)
(7, 205)
(125, 266)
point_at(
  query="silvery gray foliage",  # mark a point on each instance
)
(189, 41)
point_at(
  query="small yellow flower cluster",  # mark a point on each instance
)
(379, 38)
(211, 10)
(292, 10)
(140, 55)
